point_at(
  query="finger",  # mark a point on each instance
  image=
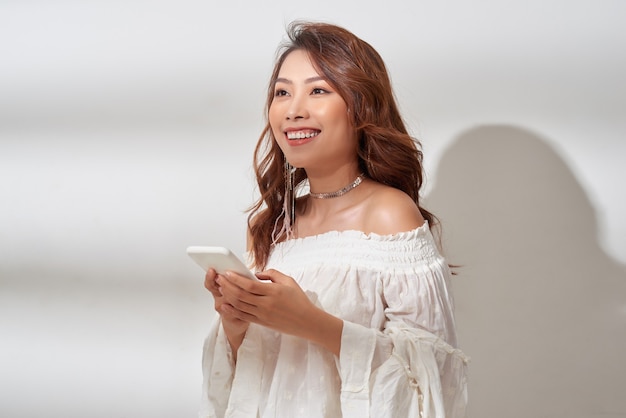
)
(232, 312)
(236, 296)
(250, 286)
(209, 278)
(210, 284)
(274, 276)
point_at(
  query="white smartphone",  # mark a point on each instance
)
(221, 259)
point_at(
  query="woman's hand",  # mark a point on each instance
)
(277, 302)
(234, 327)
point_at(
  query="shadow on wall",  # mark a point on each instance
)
(541, 309)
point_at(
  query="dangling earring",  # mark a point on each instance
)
(289, 206)
(290, 198)
(368, 162)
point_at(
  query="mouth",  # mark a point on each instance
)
(302, 134)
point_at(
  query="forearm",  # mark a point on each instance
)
(323, 329)
(234, 336)
(280, 305)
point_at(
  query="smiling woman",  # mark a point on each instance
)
(352, 316)
(306, 110)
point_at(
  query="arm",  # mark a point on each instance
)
(412, 366)
(280, 304)
(234, 328)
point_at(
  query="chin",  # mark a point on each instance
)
(296, 162)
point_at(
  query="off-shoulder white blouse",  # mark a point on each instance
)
(399, 355)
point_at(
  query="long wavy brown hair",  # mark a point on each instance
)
(387, 153)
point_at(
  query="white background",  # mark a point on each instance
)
(126, 134)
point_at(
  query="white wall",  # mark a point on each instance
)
(126, 134)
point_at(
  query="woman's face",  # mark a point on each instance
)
(309, 118)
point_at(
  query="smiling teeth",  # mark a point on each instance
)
(301, 134)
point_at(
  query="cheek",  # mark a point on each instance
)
(339, 112)
(341, 119)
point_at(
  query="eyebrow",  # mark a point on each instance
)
(307, 81)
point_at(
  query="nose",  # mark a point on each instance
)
(297, 108)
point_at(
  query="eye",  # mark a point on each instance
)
(319, 90)
(280, 93)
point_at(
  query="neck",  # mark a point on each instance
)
(339, 192)
(331, 180)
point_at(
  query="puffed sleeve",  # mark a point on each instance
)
(222, 381)
(411, 367)
(217, 372)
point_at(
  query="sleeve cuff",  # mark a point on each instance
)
(358, 344)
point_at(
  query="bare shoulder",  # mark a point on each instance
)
(390, 211)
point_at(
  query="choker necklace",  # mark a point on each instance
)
(338, 193)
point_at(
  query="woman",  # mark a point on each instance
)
(352, 316)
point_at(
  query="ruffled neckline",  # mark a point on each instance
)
(421, 230)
